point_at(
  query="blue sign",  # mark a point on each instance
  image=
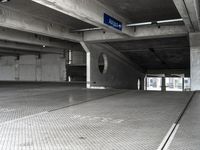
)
(112, 22)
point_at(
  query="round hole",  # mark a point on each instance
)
(103, 63)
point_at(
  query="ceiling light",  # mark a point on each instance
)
(170, 21)
(4, 1)
(139, 24)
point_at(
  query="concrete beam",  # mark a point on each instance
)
(90, 11)
(26, 47)
(22, 52)
(17, 52)
(14, 19)
(29, 38)
(189, 11)
(143, 32)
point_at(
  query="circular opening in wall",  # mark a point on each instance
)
(139, 84)
(103, 63)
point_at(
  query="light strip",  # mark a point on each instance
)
(139, 24)
(171, 20)
(158, 22)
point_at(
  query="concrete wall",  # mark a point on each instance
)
(27, 68)
(51, 67)
(7, 68)
(195, 61)
(121, 73)
(78, 57)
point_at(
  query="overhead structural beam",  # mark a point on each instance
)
(90, 11)
(157, 48)
(158, 57)
(14, 19)
(142, 32)
(18, 52)
(34, 39)
(189, 11)
(26, 47)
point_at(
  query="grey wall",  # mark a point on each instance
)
(78, 57)
(51, 67)
(120, 72)
(7, 68)
(195, 61)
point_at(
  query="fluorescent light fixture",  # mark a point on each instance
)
(158, 22)
(139, 24)
(169, 21)
(88, 29)
(4, 1)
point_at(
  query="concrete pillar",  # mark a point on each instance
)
(38, 69)
(62, 69)
(183, 84)
(163, 86)
(17, 78)
(145, 83)
(195, 61)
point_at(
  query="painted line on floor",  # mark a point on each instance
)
(171, 138)
(82, 102)
(26, 117)
(166, 137)
(174, 128)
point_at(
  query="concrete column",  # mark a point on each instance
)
(38, 69)
(145, 83)
(62, 69)
(163, 86)
(183, 84)
(17, 78)
(195, 61)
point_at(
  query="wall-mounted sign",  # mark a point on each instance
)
(108, 20)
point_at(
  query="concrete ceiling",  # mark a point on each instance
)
(165, 53)
(46, 13)
(144, 10)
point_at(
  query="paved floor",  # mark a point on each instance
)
(188, 134)
(38, 117)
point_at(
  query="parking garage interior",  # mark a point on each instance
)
(99, 75)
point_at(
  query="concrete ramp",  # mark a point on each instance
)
(127, 121)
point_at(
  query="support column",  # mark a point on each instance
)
(17, 78)
(163, 86)
(38, 72)
(183, 84)
(195, 61)
(88, 64)
(145, 83)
